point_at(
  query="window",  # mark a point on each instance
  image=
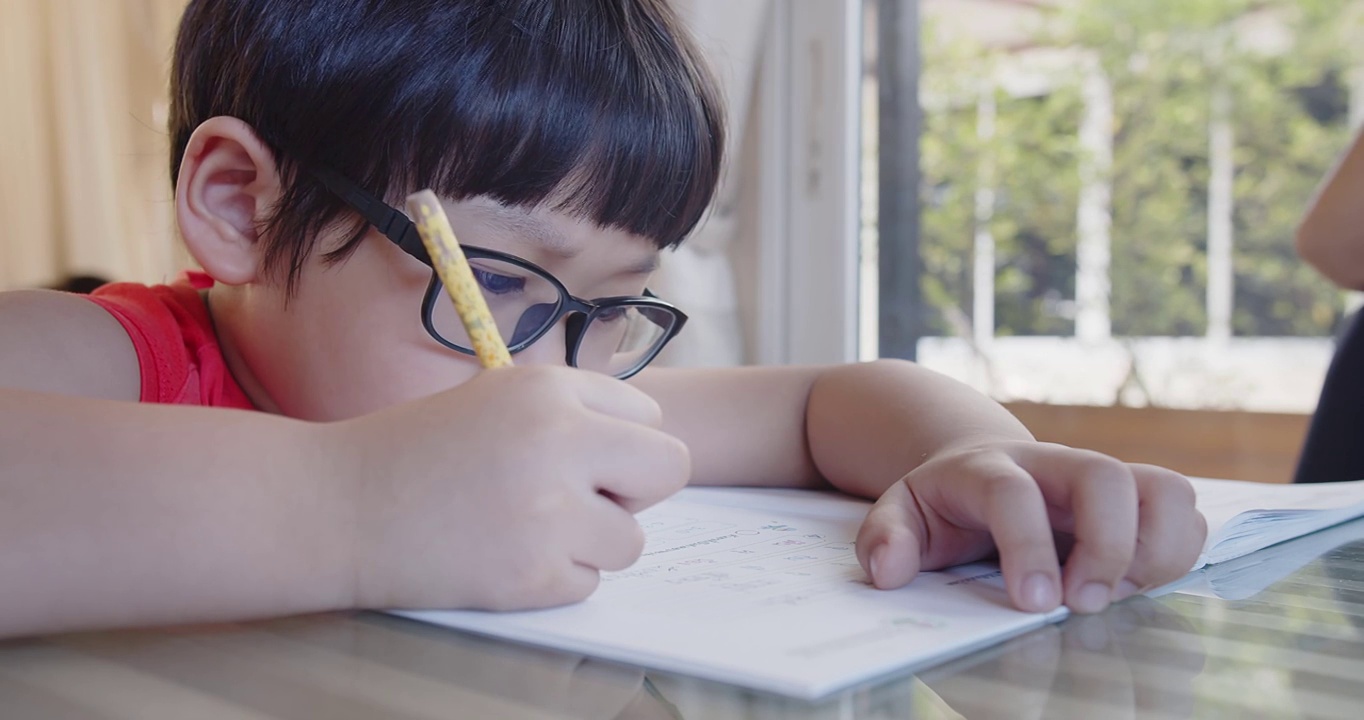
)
(1107, 192)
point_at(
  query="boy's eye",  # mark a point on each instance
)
(497, 284)
(611, 314)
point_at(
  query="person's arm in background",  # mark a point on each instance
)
(1331, 235)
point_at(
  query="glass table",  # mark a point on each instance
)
(1279, 636)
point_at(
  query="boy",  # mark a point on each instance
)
(352, 455)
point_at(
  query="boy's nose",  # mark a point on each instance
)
(550, 349)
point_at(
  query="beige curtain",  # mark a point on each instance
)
(83, 180)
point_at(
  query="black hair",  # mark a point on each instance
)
(80, 284)
(599, 108)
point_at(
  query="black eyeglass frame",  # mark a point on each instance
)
(396, 226)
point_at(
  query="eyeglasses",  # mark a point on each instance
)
(617, 336)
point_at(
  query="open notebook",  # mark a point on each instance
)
(761, 588)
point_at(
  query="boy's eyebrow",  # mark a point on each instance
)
(546, 236)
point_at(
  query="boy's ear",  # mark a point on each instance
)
(227, 186)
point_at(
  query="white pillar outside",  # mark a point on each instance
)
(983, 265)
(1094, 213)
(1221, 178)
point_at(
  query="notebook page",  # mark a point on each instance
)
(1247, 576)
(768, 597)
(1248, 512)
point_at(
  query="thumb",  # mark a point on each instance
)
(888, 543)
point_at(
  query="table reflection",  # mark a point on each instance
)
(1280, 634)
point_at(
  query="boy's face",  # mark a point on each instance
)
(351, 339)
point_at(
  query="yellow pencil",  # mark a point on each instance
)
(454, 272)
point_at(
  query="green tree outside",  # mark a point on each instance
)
(1164, 59)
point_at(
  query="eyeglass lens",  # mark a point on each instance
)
(616, 340)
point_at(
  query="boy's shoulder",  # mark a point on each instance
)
(148, 343)
(152, 314)
(175, 341)
(63, 343)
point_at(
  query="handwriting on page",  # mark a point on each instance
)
(759, 565)
(765, 589)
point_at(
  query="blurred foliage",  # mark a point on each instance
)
(1285, 66)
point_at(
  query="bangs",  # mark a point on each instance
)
(601, 109)
(610, 123)
(598, 108)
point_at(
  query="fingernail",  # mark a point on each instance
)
(1039, 592)
(1126, 589)
(878, 558)
(1092, 598)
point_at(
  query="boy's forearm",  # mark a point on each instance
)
(118, 514)
(869, 424)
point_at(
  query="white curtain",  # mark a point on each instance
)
(701, 276)
(83, 179)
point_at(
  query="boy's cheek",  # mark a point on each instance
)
(358, 343)
(367, 392)
(343, 381)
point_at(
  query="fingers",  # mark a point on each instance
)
(616, 398)
(989, 497)
(983, 497)
(1016, 514)
(1135, 526)
(888, 544)
(541, 585)
(634, 462)
(1102, 498)
(1171, 531)
(637, 466)
(1129, 527)
(611, 538)
(579, 582)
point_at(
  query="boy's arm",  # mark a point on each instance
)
(59, 343)
(859, 427)
(119, 513)
(1331, 235)
(956, 477)
(744, 425)
(114, 513)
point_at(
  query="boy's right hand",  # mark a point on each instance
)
(513, 490)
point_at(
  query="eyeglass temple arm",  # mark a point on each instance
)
(385, 218)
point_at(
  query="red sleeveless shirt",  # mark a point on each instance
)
(177, 348)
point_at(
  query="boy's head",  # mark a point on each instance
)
(592, 122)
(599, 108)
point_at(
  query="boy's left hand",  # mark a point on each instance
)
(1129, 527)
